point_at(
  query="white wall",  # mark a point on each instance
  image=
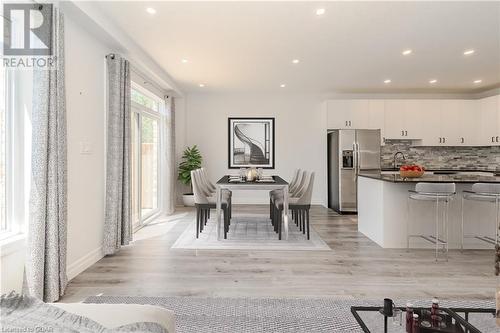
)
(85, 97)
(300, 131)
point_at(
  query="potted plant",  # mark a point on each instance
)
(191, 160)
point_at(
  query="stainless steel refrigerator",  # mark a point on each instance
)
(349, 153)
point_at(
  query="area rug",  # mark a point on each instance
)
(249, 232)
(298, 315)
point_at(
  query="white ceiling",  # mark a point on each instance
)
(353, 47)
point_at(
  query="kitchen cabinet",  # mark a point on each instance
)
(489, 114)
(431, 131)
(402, 119)
(458, 124)
(376, 117)
(347, 114)
(435, 122)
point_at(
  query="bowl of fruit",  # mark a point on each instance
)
(411, 171)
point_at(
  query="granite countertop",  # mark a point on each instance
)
(431, 178)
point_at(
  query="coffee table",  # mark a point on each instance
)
(371, 320)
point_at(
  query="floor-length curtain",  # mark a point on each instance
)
(117, 223)
(45, 274)
(170, 156)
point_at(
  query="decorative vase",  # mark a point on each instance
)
(251, 174)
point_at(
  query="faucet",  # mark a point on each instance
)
(395, 157)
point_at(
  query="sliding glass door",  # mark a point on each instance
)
(145, 168)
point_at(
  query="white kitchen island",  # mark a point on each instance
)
(383, 212)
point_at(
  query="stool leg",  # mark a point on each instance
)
(408, 225)
(462, 228)
(446, 227)
(437, 227)
(498, 220)
(280, 211)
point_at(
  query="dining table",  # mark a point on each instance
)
(268, 183)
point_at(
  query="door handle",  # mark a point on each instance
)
(463, 140)
(350, 123)
(402, 133)
(492, 139)
(496, 139)
(346, 123)
(406, 133)
(444, 140)
(440, 140)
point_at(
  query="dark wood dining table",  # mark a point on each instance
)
(225, 183)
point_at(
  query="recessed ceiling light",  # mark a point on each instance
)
(477, 81)
(184, 61)
(407, 52)
(320, 11)
(387, 81)
(433, 81)
(469, 52)
(201, 85)
(151, 10)
(282, 85)
(295, 61)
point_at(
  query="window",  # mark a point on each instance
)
(3, 157)
(146, 168)
(15, 149)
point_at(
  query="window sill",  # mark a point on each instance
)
(11, 244)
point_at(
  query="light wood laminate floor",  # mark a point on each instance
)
(356, 267)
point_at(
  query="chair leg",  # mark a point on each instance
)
(280, 211)
(197, 222)
(307, 222)
(303, 214)
(270, 208)
(226, 219)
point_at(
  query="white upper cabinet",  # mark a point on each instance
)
(434, 122)
(402, 119)
(460, 123)
(489, 114)
(376, 117)
(347, 114)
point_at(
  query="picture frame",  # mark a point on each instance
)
(251, 142)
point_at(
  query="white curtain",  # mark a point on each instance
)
(170, 155)
(45, 274)
(117, 221)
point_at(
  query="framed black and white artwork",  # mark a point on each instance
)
(251, 143)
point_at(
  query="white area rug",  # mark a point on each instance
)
(249, 232)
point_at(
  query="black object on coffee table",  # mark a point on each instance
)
(453, 323)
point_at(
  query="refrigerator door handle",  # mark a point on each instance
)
(355, 160)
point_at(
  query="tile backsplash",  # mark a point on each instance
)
(484, 158)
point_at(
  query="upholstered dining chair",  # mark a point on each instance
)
(291, 187)
(210, 189)
(204, 203)
(299, 205)
(293, 192)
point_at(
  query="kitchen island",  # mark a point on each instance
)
(383, 210)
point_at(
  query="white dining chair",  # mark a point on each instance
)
(204, 203)
(211, 190)
(274, 193)
(299, 205)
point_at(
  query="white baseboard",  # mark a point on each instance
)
(84, 262)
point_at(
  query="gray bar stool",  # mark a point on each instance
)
(438, 193)
(487, 193)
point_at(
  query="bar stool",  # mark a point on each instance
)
(438, 193)
(484, 192)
